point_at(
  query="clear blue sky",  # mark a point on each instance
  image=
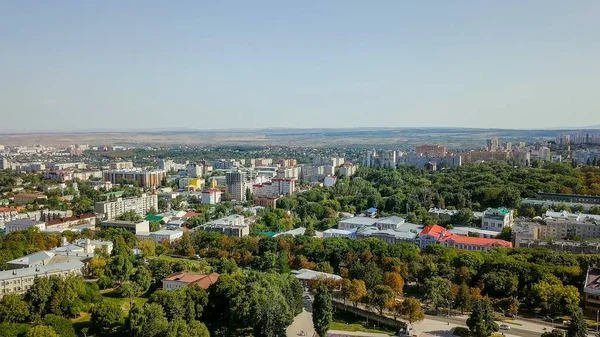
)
(250, 64)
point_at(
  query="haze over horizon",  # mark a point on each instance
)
(266, 64)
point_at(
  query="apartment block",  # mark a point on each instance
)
(135, 227)
(140, 205)
(144, 178)
(236, 184)
(233, 225)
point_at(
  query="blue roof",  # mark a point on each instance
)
(372, 210)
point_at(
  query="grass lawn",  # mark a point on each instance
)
(348, 322)
(112, 295)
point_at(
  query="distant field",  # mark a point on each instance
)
(290, 137)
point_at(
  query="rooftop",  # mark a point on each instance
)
(592, 281)
(32, 258)
(41, 270)
(202, 280)
(307, 274)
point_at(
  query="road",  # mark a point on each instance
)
(532, 330)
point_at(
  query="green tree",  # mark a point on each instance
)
(142, 279)
(322, 311)
(62, 326)
(437, 291)
(13, 309)
(147, 321)
(505, 235)
(381, 297)
(481, 323)
(463, 298)
(310, 230)
(554, 333)
(577, 327)
(106, 316)
(154, 226)
(119, 268)
(41, 331)
(411, 310)
(184, 245)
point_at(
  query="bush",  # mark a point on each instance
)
(104, 282)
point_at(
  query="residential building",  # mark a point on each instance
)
(211, 196)
(18, 281)
(288, 172)
(37, 259)
(236, 185)
(442, 213)
(329, 181)
(134, 227)
(89, 218)
(544, 153)
(267, 201)
(429, 150)
(23, 224)
(440, 235)
(392, 222)
(574, 247)
(195, 170)
(233, 225)
(29, 198)
(275, 187)
(144, 178)
(184, 279)
(495, 219)
(121, 165)
(161, 235)
(115, 208)
(591, 291)
(479, 156)
(191, 183)
(347, 169)
(492, 144)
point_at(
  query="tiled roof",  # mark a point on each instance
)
(470, 240)
(203, 280)
(434, 230)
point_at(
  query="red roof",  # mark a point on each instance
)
(190, 214)
(434, 230)
(470, 240)
(202, 280)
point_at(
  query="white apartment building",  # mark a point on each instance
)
(556, 229)
(18, 281)
(23, 224)
(233, 225)
(140, 205)
(495, 219)
(289, 172)
(211, 196)
(347, 170)
(277, 186)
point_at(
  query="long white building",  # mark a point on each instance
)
(18, 281)
(140, 205)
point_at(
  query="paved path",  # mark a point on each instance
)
(302, 322)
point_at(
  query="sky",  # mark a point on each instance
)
(82, 65)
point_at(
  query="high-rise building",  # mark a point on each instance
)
(140, 205)
(236, 184)
(195, 170)
(492, 144)
(431, 150)
(508, 146)
(147, 179)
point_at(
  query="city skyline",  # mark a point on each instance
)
(88, 66)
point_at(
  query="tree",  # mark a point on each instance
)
(394, 281)
(154, 226)
(411, 310)
(310, 230)
(554, 333)
(13, 309)
(322, 311)
(481, 323)
(62, 326)
(106, 316)
(357, 291)
(41, 331)
(463, 298)
(147, 321)
(381, 297)
(185, 246)
(436, 291)
(505, 235)
(119, 268)
(148, 248)
(142, 279)
(577, 327)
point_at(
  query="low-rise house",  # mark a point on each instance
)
(18, 281)
(134, 227)
(184, 279)
(23, 224)
(495, 219)
(440, 235)
(82, 219)
(340, 233)
(233, 225)
(161, 235)
(29, 198)
(40, 258)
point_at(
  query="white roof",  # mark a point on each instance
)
(307, 274)
(360, 221)
(339, 231)
(41, 270)
(462, 230)
(166, 232)
(33, 258)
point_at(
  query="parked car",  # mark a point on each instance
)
(504, 327)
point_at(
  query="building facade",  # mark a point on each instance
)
(495, 219)
(140, 205)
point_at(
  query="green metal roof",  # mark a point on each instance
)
(269, 234)
(503, 210)
(153, 217)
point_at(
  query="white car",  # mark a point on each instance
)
(504, 327)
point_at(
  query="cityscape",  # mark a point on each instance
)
(300, 169)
